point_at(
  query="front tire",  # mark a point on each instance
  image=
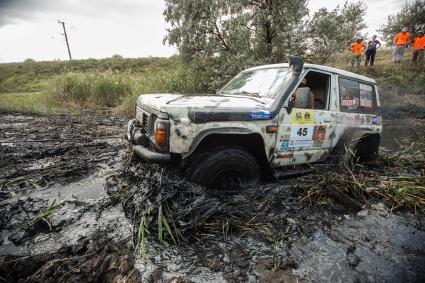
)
(225, 168)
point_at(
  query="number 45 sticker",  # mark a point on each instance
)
(302, 133)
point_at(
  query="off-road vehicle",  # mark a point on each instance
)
(266, 119)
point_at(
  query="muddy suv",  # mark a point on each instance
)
(265, 120)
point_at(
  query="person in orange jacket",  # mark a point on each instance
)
(418, 48)
(401, 42)
(357, 48)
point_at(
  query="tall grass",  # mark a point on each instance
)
(31, 76)
(30, 102)
(180, 81)
(90, 90)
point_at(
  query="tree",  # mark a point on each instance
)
(222, 37)
(412, 16)
(330, 32)
(260, 29)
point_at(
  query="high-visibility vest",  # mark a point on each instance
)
(357, 48)
(402, 38)
(419, 43)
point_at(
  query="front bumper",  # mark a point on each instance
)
(140, 142)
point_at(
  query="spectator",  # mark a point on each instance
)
(372, 45)
(357, 48)
(401, 41)
(418, 48)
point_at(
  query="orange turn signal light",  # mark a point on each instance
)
(271, 129)
(161, 137)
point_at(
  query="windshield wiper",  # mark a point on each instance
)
(256, 94)
(244, 96)
(243, 92)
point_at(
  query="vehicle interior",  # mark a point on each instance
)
(317, 84)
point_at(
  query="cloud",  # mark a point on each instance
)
(13, 11)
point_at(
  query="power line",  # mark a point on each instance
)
(66, 38)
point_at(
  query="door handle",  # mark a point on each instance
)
(327, 121)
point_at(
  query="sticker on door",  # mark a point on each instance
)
(302, 117)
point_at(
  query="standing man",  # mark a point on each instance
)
(418, 48)
(401, 42)
(372, 45)
(357, 48)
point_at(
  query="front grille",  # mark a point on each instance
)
(145, 122)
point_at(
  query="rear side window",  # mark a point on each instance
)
(356, 97)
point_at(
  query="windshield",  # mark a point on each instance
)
(260, 83)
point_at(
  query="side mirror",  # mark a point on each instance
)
(290, 104)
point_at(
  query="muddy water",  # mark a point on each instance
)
(270, 234)
(401, 132)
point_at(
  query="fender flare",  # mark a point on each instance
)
(222, 131)
(350, 138)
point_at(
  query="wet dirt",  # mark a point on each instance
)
(72, 198)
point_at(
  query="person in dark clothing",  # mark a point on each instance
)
(372, 45)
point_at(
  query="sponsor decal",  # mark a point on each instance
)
(260, 115)
(348, 102)
(376, 120)
(284, 150)
(366, 102)
(366, 94)
(300, 143)
(319, 135)
(302, 117)
(300, 133)
(285, 154)
(284, 146)
(350, 119)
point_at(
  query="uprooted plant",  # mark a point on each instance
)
(396, 177)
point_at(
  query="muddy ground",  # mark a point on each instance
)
(72, 198)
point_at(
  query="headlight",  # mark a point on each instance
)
(161, 133)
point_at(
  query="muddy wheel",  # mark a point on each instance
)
(224, 167)
(367, 148)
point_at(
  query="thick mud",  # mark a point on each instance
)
(73, 200)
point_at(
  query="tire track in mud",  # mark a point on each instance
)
(59, 223)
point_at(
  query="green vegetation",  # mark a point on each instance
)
(26, 102)
(115, 83)
(412, 16)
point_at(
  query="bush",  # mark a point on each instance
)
(104, 90)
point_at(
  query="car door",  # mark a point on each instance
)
(306, 133)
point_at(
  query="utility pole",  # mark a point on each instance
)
(66, 38)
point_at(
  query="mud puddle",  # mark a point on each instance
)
(57, 222)
(71, 208)
(401, 131)
(269, 234)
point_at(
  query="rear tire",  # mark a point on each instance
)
(367, 148)
(225, 168)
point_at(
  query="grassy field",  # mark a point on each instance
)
(115, 83)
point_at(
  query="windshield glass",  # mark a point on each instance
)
(260, 83)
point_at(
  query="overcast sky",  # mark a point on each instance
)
(102, 28)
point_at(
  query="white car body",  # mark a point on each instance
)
(290, 135)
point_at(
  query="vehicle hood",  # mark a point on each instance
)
(171, 103)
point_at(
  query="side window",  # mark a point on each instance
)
(312, 92)
(356, 97)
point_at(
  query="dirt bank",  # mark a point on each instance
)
(72, 199)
